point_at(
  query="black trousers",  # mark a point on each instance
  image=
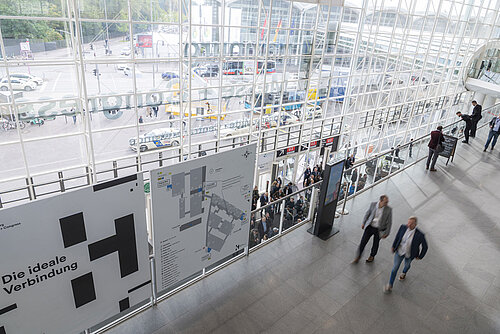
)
(467, 131)
(369, 231)
(473, 129)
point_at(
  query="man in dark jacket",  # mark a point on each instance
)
(264, 199)
(476, 117)
(409, 244)
(493, 134)
(264, 228)
(468, 125)
(255, 197)
(307, 173)
(437, 139)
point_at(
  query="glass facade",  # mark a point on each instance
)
(95, 89)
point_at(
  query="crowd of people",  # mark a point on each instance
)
(265, 223)
(311, 177)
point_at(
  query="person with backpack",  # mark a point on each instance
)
(435, 147)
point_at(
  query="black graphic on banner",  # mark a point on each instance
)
(83, 289)
(73, 229)
(122, 242)
(85, 257)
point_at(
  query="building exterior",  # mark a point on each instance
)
(110, 76)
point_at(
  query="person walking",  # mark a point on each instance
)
(468, 125)
(408, 245)
(494, 132)
(377, 223)
(435, 147)
(476, 117)
(255, 197)
(263, 228)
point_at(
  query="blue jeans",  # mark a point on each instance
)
(397, 262)
(492, 135)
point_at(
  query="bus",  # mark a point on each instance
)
(270, 68)
(233, 68)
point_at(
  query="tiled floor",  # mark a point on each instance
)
(301, 284)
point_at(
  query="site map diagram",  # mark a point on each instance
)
(201, 212)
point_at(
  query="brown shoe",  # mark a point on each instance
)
(356, 260)
(402, 277)
(370, 259)
(433, 170)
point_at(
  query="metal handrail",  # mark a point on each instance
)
(411, 143)
(267, 242)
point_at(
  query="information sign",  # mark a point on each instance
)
(201, 212)
(73, 260)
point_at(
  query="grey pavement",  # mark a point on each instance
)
(301, 284)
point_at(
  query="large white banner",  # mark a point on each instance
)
(201, 212)
(70, 261)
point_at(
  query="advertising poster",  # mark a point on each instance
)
(144, 41)
(201, 212)
(71, 261)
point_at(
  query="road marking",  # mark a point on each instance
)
(114, 82)
(55, 82)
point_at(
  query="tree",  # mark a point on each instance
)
(20, 29)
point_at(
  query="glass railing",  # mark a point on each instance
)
(366, 173)
(484, 74)
(271, 220)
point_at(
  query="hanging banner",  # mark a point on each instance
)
(201, 212)
(74, 260)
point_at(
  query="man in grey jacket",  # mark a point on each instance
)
(377, 222)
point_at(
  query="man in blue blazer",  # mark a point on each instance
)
(409, 244)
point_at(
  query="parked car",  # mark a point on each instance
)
(157, 138)
(169, 75)
(207, 71)
(236, 130)
(313, 111)
(125, 51)
(26, 76)
(17, 84)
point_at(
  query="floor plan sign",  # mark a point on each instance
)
(71, 261)
(201, 212)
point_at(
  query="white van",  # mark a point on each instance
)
(157, 138)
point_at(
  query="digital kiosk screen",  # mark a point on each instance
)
(334, 180)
